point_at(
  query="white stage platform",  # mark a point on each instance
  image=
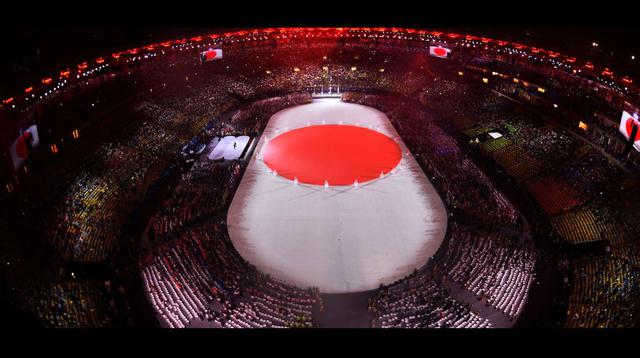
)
(224, 149)
(340, 239)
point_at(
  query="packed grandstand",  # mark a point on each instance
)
(131, 162)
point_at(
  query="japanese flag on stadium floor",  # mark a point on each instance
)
(211, 55)
(439, 51)
(627, 122)
(19, 149)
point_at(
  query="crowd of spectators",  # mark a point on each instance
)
(418, 301)
(497, 268)
(193, 274)
(604, 293)
(582, 191)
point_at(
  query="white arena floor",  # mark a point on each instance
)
(344, 238)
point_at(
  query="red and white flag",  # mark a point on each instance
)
(19, 149)
(439, 51)
(627, 122)
(211, 55)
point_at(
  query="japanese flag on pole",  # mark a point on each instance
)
(627, 122)
(19, 149)
(439, 51)
(211, 55)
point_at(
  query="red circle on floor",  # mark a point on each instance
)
(339, 154)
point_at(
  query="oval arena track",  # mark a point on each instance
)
(342, 238)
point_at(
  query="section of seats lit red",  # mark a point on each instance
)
(339, 154)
